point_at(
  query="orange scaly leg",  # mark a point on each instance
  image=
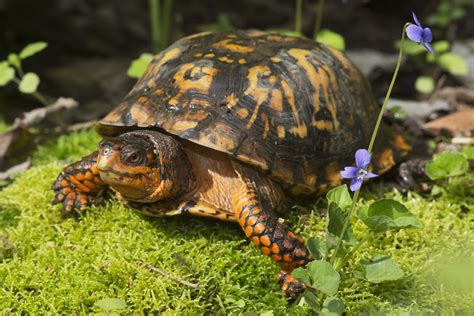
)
(272, 237)
(79, 185)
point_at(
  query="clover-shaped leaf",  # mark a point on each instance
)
(32, 49)
(454, 64)
(323, 277)
(14, 60)
(380, 269)
(311, 300)
(29, 83)
(332, 39)
(302, 275)
(388, 214)
(317, 247)
(337, 219)
(138, 66)
(341, 196)
(469, 152)
(333, 306)
(7, 73)
(447, 164)
(424, 84)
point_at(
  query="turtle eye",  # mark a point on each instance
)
(134, 157)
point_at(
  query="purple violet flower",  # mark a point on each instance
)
(420, 35)
(357, 174)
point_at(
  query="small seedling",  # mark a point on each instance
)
(11, 70)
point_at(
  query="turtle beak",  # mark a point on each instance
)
(108, 155)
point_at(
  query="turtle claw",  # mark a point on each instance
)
(290, 286)
(78, 186)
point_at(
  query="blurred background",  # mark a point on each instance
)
(91, 43)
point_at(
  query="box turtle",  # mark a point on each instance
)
(234, 126)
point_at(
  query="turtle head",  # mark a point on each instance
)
(145, 166)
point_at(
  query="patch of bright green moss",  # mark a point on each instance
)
(50, 265)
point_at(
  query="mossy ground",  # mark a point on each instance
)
(50, 265)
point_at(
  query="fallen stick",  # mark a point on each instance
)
(168, 275)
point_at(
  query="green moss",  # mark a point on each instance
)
(50, 265)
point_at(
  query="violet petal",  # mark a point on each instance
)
(349, 172)
(429, 48)
(356, 184)
(370, 175)
(362, 158)
(416, 19)
(427, 36)
(414, 33)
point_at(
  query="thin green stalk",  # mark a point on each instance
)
(166, 22)
(155, 24)
(319, 18)
(354, 250)
(372, 141)
(346, 224)
(298, 14)
(389, 92)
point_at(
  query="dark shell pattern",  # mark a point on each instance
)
(292, 108)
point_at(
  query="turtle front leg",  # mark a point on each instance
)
(79, 185)
(272, 237)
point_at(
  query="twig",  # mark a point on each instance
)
(31, 119)
(168, 275)
(15, 169)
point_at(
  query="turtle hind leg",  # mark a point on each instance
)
(79, 185)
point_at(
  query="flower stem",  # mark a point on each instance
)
(346, 224)
(349, 255)
(298, 13)
(371, 145)
(389, 92)
(155, 24)
(319, 18)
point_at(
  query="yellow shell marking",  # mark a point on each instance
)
(276, 102)
(300, 129)
(226, 59)
(201, 85)
(318, 81)
(258, 93)
(236, 48)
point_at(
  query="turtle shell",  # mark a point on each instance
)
(292, 108)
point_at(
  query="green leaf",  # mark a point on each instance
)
(332, 39)
(411, 48)
(341, 196)
(424, 84)
(302, 275)
(380, 269)
(139, 65)
(454, 64)
(14, 60)
(469, 152)
(29, 83)
(317, 247)
(388, 214)
(447, 164)
(336, 222)
(324, 277)
(440, 46)
(7, 73)
(32, 49)
(333, 306)
(110, 304)
(311, 300)
(266, 313)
